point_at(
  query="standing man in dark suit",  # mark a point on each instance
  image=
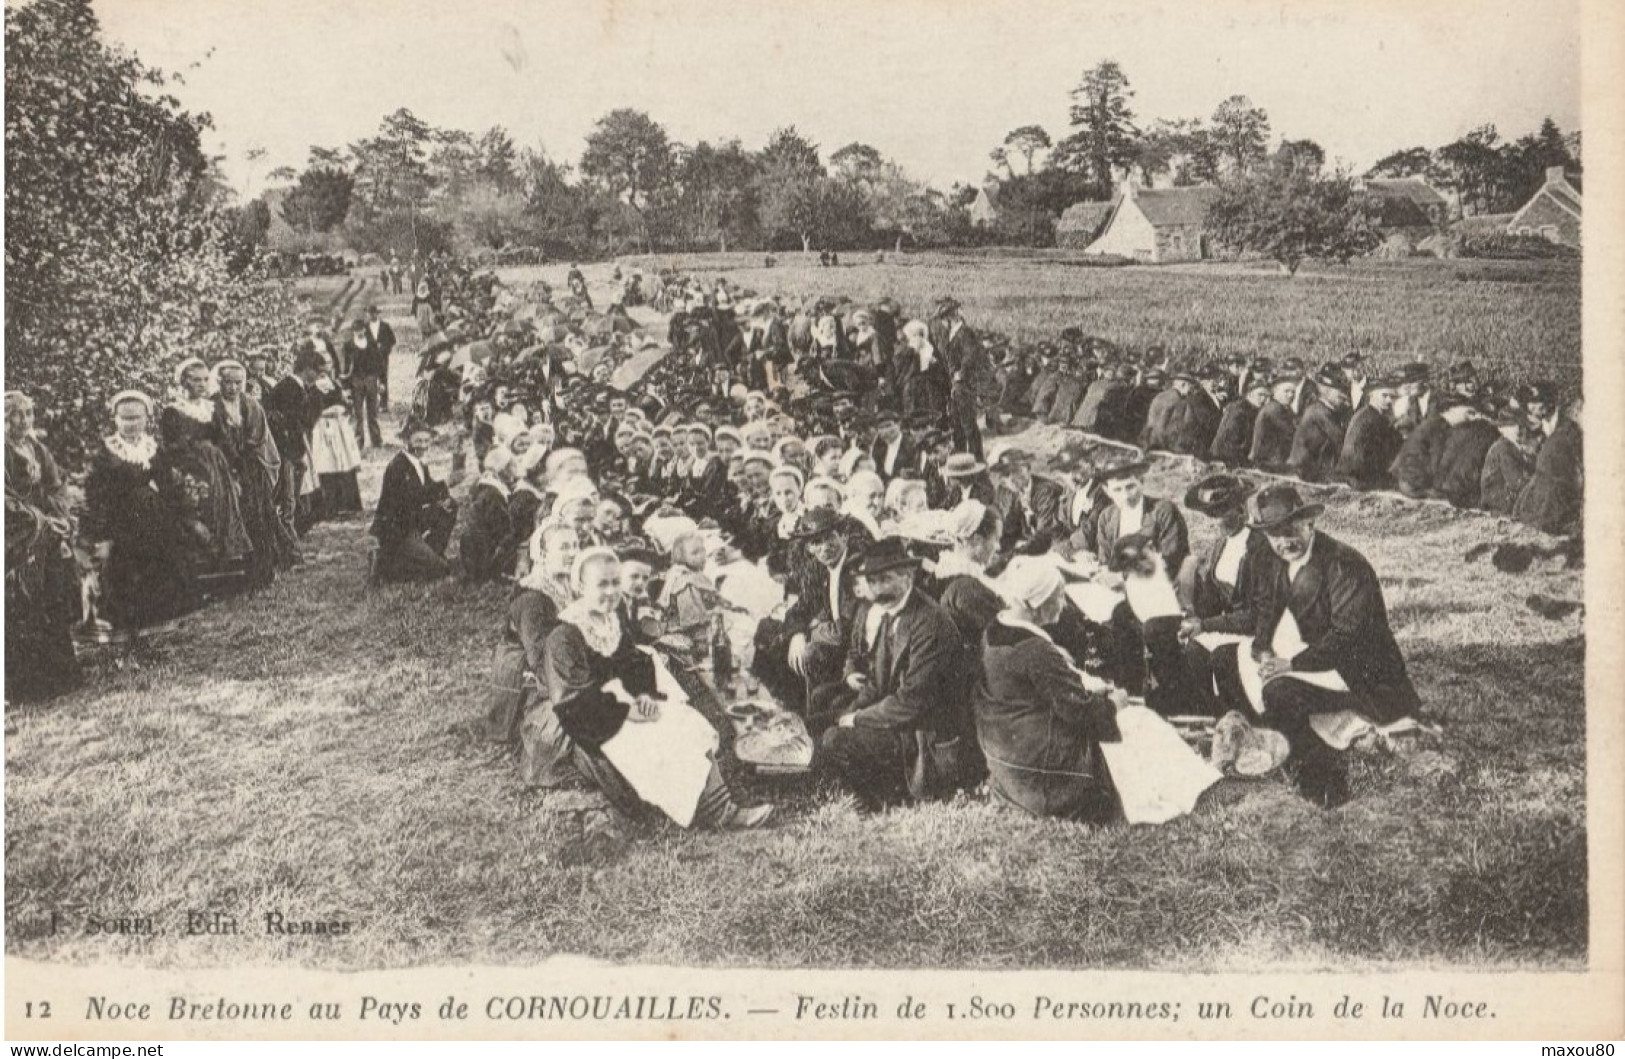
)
(1372, 440)
(1321, 612)
(383, 339)
(906, 734)
(1234, 438)
(369, 368)
(292, 408)
(968, 364)
(1034, 508)
(415, 514)
(1274, 427)
(1318, 440)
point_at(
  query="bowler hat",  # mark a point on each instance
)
(889, 553)
(1331, 375)
(1126, 469)
(944, 306)
(1216, 494)
(962, 465)
(816, 523)
(1277, 506)
(1010, 459)
(1415, 371)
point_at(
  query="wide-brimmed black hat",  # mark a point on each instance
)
(1010, 459)
(1277, 506)
(891, 553)
(1217, 493)
(1331, 375)
(1415, 371)
(944, 306)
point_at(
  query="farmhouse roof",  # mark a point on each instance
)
(1411, 189)
(1168, 207)
(1557, 189)
(1085, 217)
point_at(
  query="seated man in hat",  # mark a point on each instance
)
(1318, 441)
(1234, 436)
(415, 514)
(1033, 508)
(1321, 642)
(1372, 440)
(893, 451)
(1274, 427)
(1131, 513)
(1415, 469)
(1104, 403)
(1204, 408)
(1223, 580)
(964, 477)
(1553, 500)
(1461, 458)
(806, 647)
(906, 732)
(1167, 411)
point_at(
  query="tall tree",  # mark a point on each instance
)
(1302, 153)
(319, 201)
(717, 194)
(628, 153)
(788, 148)
(391, 169)
(790, 185)
(1181, 148)
(1106, 137)
(903, 206)
(1240, 132)
(496, 160)
(1027, 141)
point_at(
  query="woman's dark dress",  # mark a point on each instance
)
(146, 579)
(206, 478)
(42, 581)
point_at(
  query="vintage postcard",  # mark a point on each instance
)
(935, 518)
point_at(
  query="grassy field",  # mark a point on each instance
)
(1520, 318)
(313, 751)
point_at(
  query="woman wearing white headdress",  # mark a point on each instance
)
(334, 456)
(133, 507)
(631, 729)
(191, 446)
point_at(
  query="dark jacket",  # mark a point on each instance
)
(487, 545)
(1337, 602)
(1230, 608)
(293, 409)
(1273, 430)
(1039, 729)
(1553, 501)
(1369, 448)
(1234, 437)
(1043, 517)
(1199, 424)
(1162, 420)
(1416, 468)
(1461, 461)
(908, 458)
(1507, 468)
(1162, 522)
(1318, 442)
(1102, 410)
(917, 687)
(404, 501)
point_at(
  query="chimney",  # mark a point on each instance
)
(1554, 175)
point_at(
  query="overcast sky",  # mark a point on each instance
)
(934, 84)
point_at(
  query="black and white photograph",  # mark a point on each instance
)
(765, 500)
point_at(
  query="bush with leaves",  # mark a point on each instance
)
(117, 246)
(1290, 213)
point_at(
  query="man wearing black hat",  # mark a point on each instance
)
(1372, 441)
(1415, 400)
(1167, 410)
(1319, 438)
(1101, 410)
(1508, 464)
(1321, 612)
(1033, 507)
(415, 514)
(1204, 408)
(893, 451)
(1416, 468)
(906, 733)
(1553, 501)
(1274, 428)
(808, 645)
(1234, 437)
(1461, 459)
(968, 363)
(1223, 580)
